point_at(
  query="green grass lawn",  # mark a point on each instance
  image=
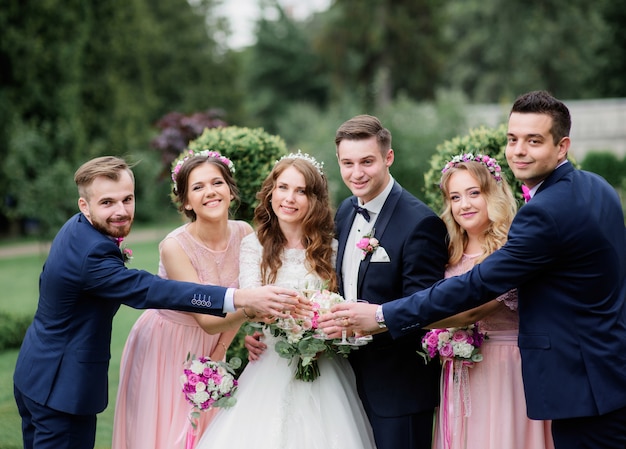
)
(19, 279)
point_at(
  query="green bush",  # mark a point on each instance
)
(607, 165)
(253, 151)
(12, 330)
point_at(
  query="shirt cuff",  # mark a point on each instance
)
(229, 301)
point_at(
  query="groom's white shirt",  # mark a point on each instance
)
(352, 255)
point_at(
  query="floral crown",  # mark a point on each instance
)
(492, 165)
(319, 166)
(180, 160)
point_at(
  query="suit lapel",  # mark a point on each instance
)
(555, 176)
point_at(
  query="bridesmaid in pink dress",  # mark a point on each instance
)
(489, 411)
(150, 411)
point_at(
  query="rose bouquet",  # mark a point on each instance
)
(300, 340)
(207, 384)
(461, 343)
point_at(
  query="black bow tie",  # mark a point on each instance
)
(361, 210)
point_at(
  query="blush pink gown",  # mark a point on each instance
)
(493, 396)
(150, 411)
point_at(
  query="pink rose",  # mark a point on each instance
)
(460, 335)
(193, 378)
(363, 243)
(446, 350)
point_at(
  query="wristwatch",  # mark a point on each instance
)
(380, 318)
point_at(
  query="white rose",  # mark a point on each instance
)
(463, 349)
(227, 384)
(197, 367)
(200, 397)
(200, 386)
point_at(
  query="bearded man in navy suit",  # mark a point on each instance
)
(399, 392)
(61, 379)
(566, 255)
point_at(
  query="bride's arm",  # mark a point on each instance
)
(250, 276)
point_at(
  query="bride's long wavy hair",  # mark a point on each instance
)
(501, 209)
(317, 225)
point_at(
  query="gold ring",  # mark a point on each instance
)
(346, 322)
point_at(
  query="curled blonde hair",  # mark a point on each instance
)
(501, 209)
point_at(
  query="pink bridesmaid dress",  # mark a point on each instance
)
(151, 411)
(489, 411)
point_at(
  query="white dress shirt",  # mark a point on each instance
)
(352, 256)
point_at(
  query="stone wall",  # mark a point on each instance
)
(597, 125)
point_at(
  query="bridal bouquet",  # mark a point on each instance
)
(459, 343)
(299, 339)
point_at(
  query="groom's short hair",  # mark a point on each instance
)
(364, 127)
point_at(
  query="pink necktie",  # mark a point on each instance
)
(525, 193)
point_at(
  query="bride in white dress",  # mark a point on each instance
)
(274, 410)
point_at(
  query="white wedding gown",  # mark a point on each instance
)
(276, 411)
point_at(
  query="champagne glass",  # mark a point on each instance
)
(360, 340)
(308, 287)
(344, 334)
(285, 323)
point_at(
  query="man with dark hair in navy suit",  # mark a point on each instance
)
(399, 392)
(61, 379)
(566, 254)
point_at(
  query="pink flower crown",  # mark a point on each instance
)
(178, 162)
(492, 165)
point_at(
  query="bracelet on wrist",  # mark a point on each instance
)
(249, 317)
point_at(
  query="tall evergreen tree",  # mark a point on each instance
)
(82, 79)
(282, 68)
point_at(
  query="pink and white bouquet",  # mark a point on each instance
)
(207, 384)
(460, 343)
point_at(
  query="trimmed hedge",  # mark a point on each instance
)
(12, 330)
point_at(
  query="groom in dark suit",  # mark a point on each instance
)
(566, 254)
(60, 380)
(399, 392)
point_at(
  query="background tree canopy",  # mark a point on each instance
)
(83, 79)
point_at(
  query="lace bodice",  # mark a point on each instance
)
(213, 267)
(504, 318)
(294, 264)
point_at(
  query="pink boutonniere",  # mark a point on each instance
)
(367, 244)
(127, 254)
